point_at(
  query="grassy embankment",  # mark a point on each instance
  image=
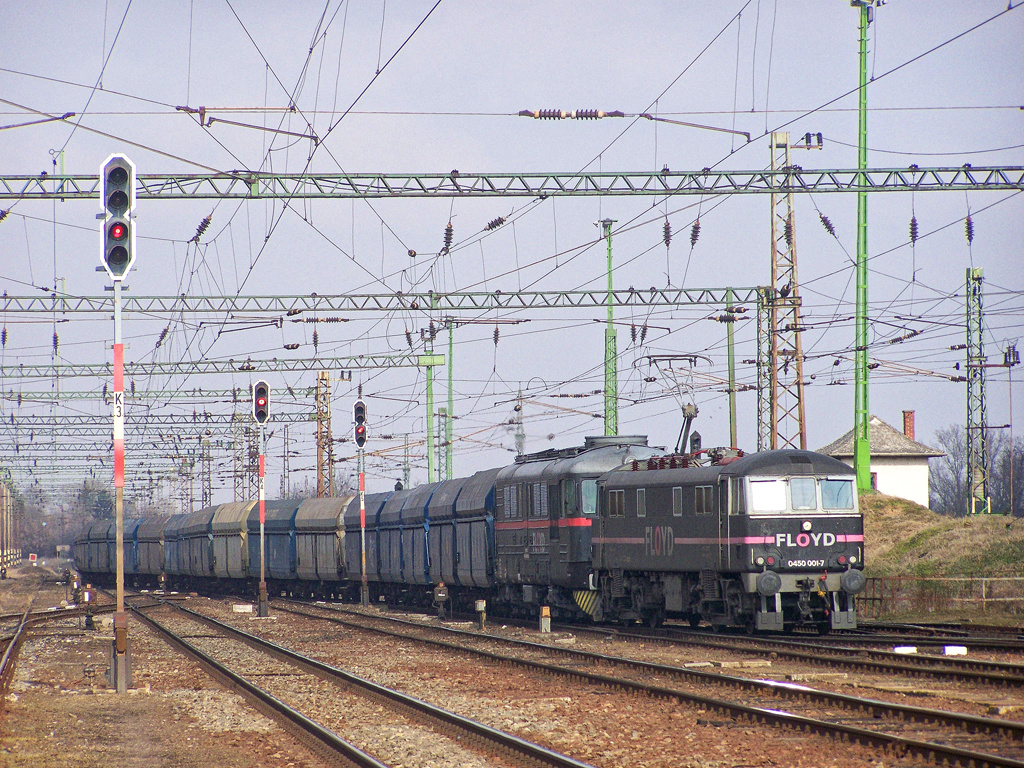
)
(905, 539)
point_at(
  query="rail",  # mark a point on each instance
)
(10, 657)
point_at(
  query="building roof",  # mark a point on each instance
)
(885, 441)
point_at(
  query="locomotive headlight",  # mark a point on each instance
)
(853, 559)
(760, 561)
(805, 525)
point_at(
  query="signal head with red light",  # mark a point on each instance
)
(261, 401)
(117, 197)
(359, 417)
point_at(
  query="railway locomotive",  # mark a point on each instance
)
(611, 531)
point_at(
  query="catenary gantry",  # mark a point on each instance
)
(256, 185)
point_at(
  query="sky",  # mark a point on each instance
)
(428, 87)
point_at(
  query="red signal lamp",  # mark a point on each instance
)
(118, 231)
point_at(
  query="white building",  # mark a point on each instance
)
(899, 464)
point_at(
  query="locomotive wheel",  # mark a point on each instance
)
(824, 627)
(694, 620)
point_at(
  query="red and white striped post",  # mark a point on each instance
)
(120, 671)
(264, 607)
(364, 588)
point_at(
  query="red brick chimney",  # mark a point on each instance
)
(908, 424)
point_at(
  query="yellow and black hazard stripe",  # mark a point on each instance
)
(587, 600)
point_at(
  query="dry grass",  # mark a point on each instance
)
(905, 539)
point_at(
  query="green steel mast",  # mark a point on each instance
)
(861, 415)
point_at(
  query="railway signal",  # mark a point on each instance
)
(117, 235)
(359, 417)
(261, 401)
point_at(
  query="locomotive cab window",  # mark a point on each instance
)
(803, 493)
(837, 494)
(569, 498)
(767, 495)
(588, 496)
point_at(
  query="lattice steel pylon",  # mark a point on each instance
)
(238, 441)
(787, 428)
(324, 444)
(286, 486)
(206, 474)
(186, 488)
(978, 501)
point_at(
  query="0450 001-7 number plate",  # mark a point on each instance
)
(805, 563)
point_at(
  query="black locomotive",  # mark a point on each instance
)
(612, 531)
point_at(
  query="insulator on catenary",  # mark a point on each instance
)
(449, 233)
(203, 225)
(913, 229)
(969, 229)
(133, 386)
(163, 335)
(104, 391)
(494, 223)
(827, 224)
(3, 215)
(787, 232)
(316, 340)
(563, 114)
(632, 333)
(496, 334)
(694, 233)
(408, 338)
(666, 233)
(643, 332)
(3, 337)
(56, 342)
(432, 330)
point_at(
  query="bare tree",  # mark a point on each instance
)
(948, 489)
(947, 485)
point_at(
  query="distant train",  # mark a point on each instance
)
(613, 531)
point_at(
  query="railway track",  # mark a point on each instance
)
(830, 654)
(287, 674)
(938, 667)
(938, 736)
